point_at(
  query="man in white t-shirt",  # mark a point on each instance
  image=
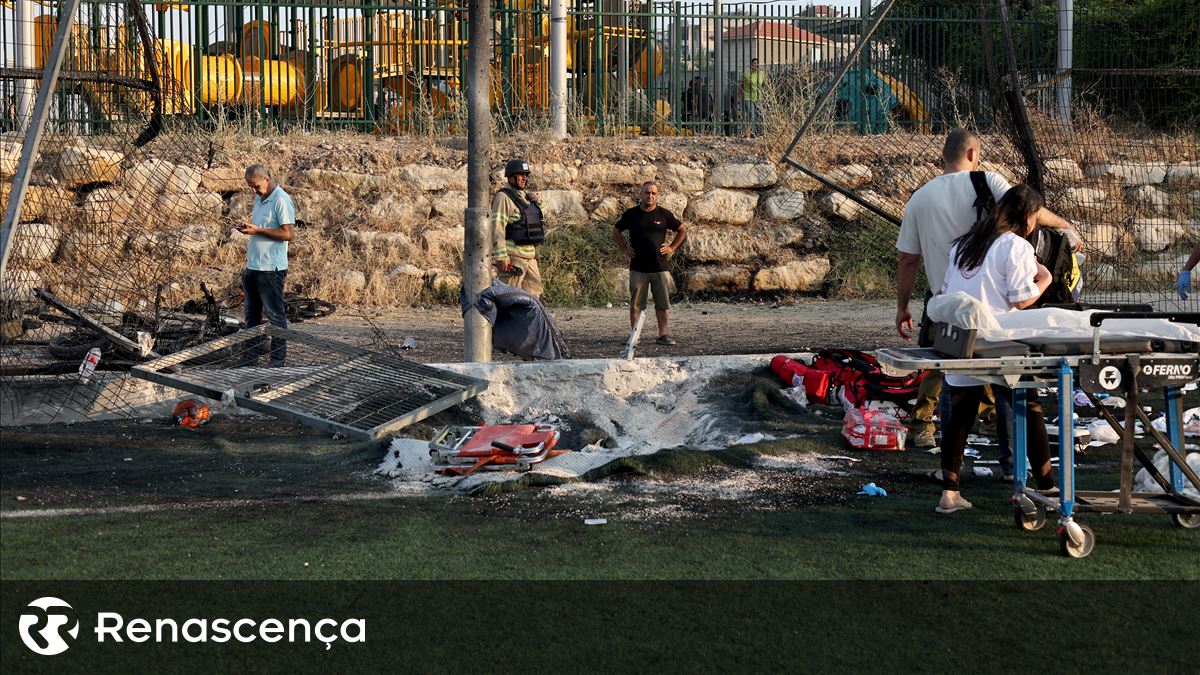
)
(938, 213)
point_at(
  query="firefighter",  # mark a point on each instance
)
(518, 230)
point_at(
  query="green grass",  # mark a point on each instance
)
(803, 527)
(897, 537)
(575, 263)
(863, 260)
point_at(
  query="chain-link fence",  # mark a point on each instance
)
(118, 222)
(1110, 139)
(126, 213)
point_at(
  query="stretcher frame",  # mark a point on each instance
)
(1021, 373)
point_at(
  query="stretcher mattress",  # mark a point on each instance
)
(990, 350)
(1058, 346)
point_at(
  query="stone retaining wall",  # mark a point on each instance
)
(395, 232)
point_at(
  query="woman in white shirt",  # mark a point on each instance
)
(994, 263)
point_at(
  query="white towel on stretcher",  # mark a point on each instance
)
(965, 311)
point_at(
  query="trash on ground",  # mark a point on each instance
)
(1082, 436)
(872, 490)
(595, 521)
(191, 413)
(89, 365)
(796, 395)
(1143, 482)
(751, 439)
(839, 458)
(1102, 433)
(410, 342)
(971, 452)
(982, 471)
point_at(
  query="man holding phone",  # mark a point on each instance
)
(270, 229)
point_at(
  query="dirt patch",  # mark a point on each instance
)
(598, 332)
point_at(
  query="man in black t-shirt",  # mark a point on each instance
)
(648, 251)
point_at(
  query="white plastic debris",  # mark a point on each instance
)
(89, 365)
(595, 521)
(229, 398)
(982, 471)
(145, 343)
(796, 395)
(751, 439)
(1102, 433)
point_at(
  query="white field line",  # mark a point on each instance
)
(195, 506)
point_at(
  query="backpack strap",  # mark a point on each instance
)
(516, 199)
(985, 201)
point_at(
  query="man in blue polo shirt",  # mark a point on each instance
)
(270, 230)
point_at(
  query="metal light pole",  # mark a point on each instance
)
(1066, 30)
(36, 123)
(719, 98)
(558, 69)
(24, 40)
(477, 240)
(623, 64)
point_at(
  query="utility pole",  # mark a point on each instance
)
(477, 244)
(719, 98)
(864, 66)
(1066, 32)
(35, 124)
(558, 69)
(623, 64)
(24, 40)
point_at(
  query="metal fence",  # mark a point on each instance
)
(1106, 130)
(665, 68)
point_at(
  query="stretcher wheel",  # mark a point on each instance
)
(1029, 522)
(1186, 520)
(1072, 550)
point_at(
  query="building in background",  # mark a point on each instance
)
(773, 43)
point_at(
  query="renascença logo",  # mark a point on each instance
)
(44, 621)
(42, 626)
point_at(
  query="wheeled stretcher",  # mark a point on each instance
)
(1113, 365)
(459, 451)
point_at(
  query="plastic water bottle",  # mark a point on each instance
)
(89, 364)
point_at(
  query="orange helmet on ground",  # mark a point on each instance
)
(191, 413)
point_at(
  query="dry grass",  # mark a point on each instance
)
(330, 261)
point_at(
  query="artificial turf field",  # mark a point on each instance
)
(796, 572)
(265, 500)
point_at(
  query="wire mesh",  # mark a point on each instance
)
(322, 383)
(1110, 139)
(121, 218)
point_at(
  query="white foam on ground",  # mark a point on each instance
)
(643, 405)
